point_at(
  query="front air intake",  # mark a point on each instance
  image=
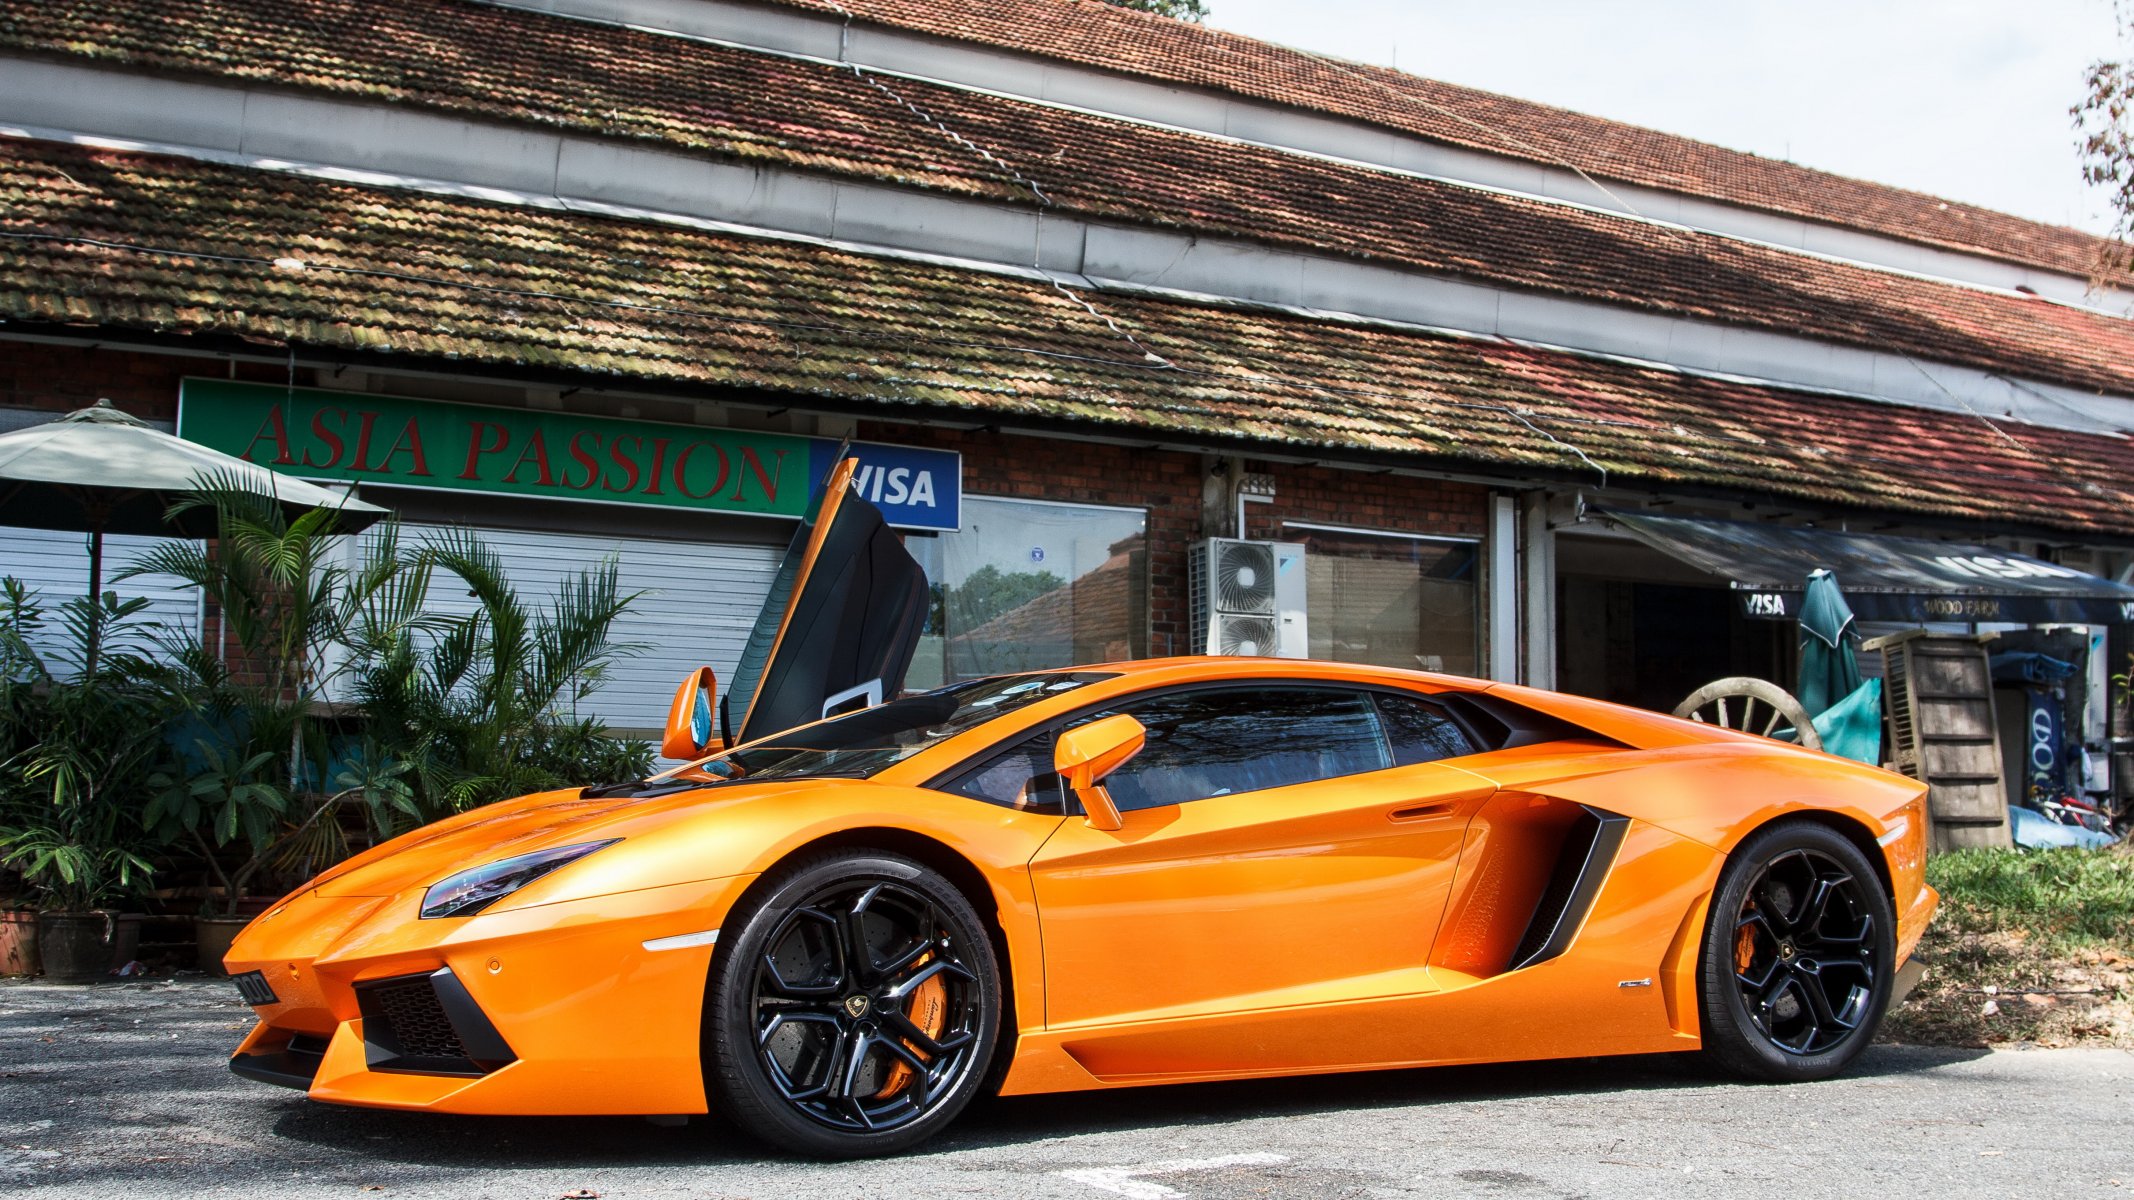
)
(427, 1025)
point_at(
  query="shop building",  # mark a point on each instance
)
(611, 278)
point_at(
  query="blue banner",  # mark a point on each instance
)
(2044, 747)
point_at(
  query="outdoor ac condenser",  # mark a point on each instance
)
(1248, 598)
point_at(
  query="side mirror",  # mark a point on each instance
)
(689, 722)
(1086, 755)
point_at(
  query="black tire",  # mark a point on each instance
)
(853, 1007)
(1799, 955)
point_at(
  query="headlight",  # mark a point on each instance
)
(472, 890)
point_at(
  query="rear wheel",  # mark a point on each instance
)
(1798, 957)
(853, 1009)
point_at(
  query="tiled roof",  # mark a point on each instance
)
(526, 67)
(115, 243)
(1093, 34)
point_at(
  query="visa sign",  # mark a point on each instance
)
(914, 488)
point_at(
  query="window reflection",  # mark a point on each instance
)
(1025, 586)
(1420, 731)
(1219, 743)
(1391, 601)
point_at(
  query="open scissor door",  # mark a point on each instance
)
(840, 624)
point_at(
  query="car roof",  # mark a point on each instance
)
(1231, 666)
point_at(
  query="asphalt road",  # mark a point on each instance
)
(119, 1090)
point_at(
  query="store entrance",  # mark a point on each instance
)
(1637, 627)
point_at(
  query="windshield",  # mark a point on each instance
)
(862, 743)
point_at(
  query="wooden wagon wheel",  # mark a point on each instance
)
(1754, 706)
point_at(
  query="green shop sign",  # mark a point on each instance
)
(360, 438)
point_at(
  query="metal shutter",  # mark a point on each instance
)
(700, 601)
(55, 566)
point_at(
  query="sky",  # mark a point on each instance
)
(1965, 99)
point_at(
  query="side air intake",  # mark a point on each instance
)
(1589, 849)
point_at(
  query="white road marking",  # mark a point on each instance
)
(1133, 1183)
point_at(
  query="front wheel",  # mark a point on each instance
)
(1799, 955)
(853, 1008)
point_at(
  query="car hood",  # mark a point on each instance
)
(521, 826)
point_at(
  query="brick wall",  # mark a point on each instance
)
(1367, 500)
(51, 378)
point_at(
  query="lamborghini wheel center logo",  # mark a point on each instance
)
(856, 1006)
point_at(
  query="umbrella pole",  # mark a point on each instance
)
(98, 515)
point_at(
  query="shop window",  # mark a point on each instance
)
(1390, 600)
(1027, 585)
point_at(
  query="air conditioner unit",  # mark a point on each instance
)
(1248, 598)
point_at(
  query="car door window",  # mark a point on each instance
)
(1222, 742)
(1419, 731)
(1019, 777)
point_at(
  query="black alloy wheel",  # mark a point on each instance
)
(856, 1009)
(1798, 957)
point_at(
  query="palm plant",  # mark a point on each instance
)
(285, 600)
(290, 598)
(484, 706)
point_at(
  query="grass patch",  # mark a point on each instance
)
(2030, 946)
(2062, 899)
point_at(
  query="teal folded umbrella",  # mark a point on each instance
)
(1829, 672)
(1846, 710)
(1852, 728)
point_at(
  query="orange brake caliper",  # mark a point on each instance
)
(1744, 949)
(928, 1009)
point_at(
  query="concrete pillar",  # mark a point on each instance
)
(1538, 594)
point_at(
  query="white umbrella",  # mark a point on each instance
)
(102, 471)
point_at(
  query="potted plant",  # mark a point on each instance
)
(18, 917)
(81, 873)
(73, 749)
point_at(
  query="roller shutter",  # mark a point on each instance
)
(55, 565)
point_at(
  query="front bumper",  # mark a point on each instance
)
(557, 1009)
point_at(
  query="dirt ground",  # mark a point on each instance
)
(2001, 988)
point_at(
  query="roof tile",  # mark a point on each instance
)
(1094, 34)
(181, 247)
(484, 61)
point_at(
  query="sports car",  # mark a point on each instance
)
(835, 932)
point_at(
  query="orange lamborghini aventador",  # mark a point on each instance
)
(838, 931)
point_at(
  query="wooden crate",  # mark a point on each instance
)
(1937, 691)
